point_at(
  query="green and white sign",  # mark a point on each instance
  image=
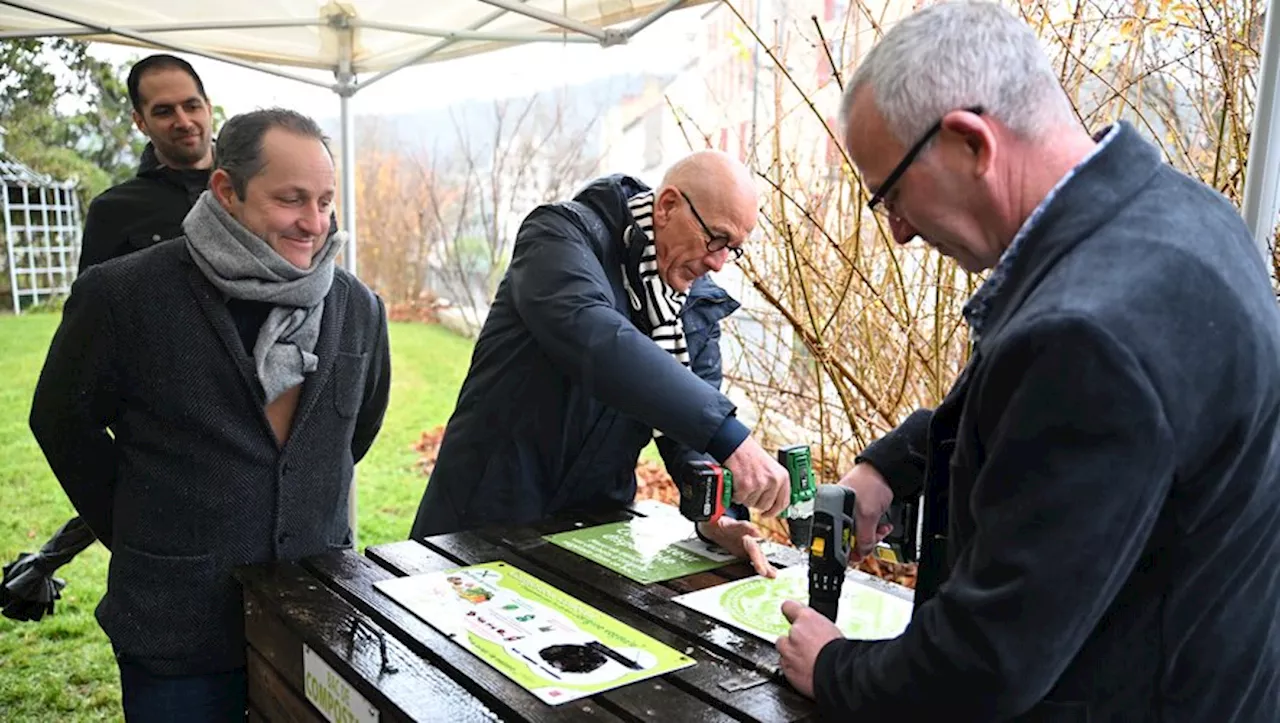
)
(552, 644)
(870, 608)
(334, 697)
(660, 546)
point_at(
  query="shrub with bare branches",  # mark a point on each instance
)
(532, 153)
(867, 331)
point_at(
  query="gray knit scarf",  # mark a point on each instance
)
(243, 266)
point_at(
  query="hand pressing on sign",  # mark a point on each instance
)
(741, 539)
(799, 648)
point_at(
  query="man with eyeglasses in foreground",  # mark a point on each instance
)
(605, 334)
(1102, 484)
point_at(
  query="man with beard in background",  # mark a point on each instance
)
(170, 108)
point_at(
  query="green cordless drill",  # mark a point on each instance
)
(706, 491)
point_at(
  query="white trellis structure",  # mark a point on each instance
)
(40, 219)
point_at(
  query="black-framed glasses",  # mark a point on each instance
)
(715, 241)
(878, 200)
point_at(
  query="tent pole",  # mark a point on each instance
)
(560, 21)
(349, 225)
(348, 177)
(68, 32)
(1262, 177)
(345, 88)
(652, 18)
(437, 47)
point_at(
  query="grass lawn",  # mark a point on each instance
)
(61, 668)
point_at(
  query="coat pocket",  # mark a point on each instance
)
(348, 382)
(160, 606)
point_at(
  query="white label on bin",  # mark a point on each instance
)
(334, 697)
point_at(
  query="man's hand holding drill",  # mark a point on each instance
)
(873, 500)
(759, 482)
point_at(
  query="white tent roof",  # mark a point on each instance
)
(356, 37)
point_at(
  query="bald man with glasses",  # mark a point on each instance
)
(604, 334)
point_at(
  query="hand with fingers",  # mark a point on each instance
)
(810, 632)
(873, 499)
(759, 482)
(739, 538)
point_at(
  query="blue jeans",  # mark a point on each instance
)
(212, 698)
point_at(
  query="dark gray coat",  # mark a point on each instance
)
(564, 389)
(141, 211)
(1102, 485)
(190, 481)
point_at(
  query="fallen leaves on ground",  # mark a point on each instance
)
(428, 448)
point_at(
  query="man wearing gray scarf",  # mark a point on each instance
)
(204, 403)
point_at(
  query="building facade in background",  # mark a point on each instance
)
(736, 96)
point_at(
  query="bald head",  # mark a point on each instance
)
(704, 211)
(707, 174)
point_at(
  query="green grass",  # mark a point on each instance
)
(61, 668)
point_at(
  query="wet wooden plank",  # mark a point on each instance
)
(353, 577)
(694, 582)
(755, 694)
(287, 607)
(270, 697)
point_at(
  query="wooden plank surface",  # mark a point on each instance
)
(352, 577)
(747, 694)
(270, 694)
(286, 606)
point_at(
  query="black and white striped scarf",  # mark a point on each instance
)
(656, 302)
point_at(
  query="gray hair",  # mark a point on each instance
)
(239, 148)
(957, 55)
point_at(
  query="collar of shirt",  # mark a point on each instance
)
(976, 309)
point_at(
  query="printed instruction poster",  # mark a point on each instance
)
(553, 645)
(870, 608)
(662, 545)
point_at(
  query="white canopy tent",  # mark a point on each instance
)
(359, 41)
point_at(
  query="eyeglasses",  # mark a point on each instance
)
(715, 241)
(879, 203)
